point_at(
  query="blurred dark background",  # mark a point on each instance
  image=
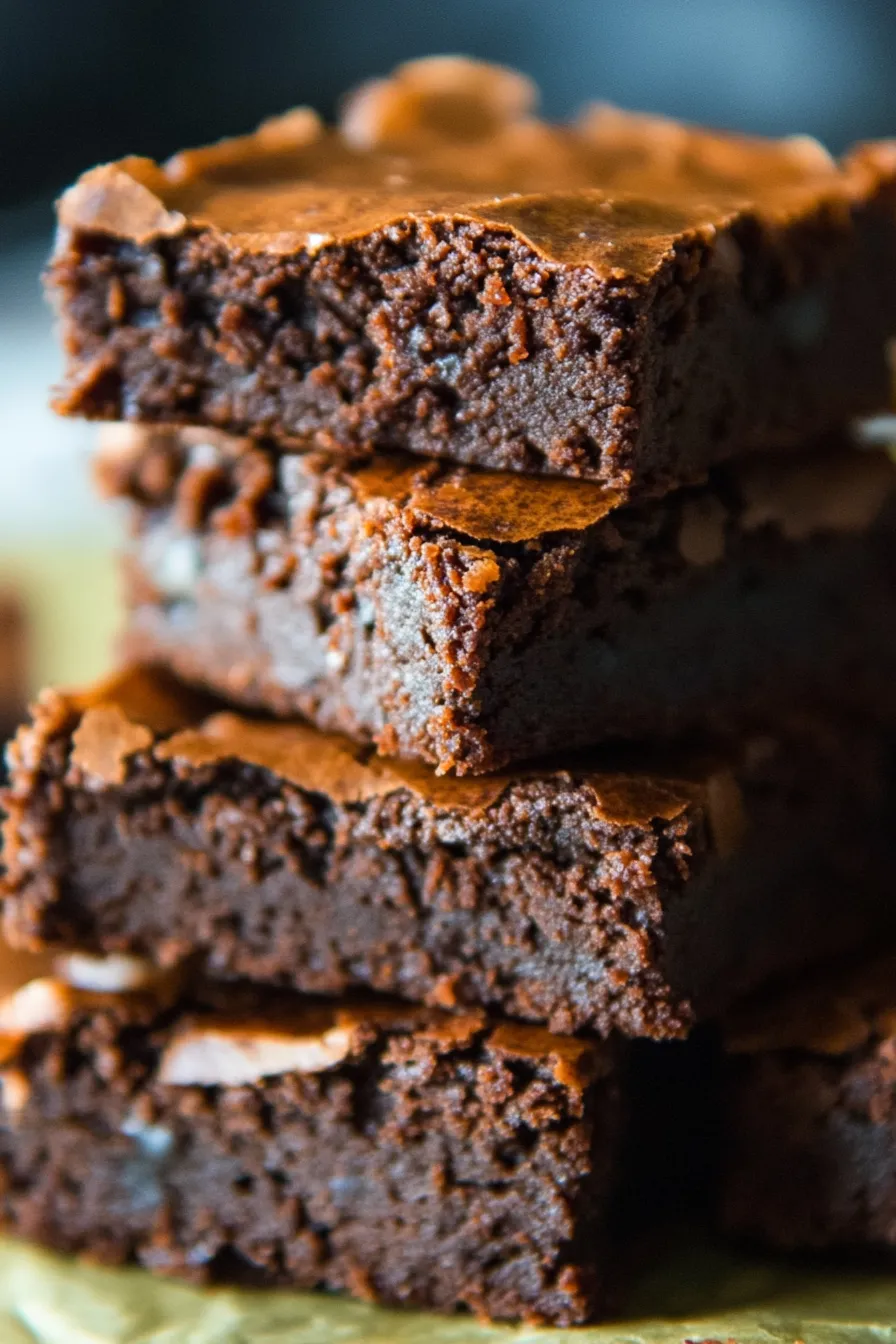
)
(90, 81)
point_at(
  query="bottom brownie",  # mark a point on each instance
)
(810, 1140)
(402, 1155)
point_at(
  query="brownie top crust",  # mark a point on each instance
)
(447, 138)
(143, 710)
(830, 1013)
(242, 1034)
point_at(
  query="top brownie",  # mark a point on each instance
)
(622, 299)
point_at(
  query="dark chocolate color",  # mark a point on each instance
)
(810, 1123)
(423, 1160)
(596, 896)
(475, 619)
(622, 299)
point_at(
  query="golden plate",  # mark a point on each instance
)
(700, 1295)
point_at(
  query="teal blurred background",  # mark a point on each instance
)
(96, 79)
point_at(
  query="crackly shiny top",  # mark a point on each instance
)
(449, 138)
(143, 711)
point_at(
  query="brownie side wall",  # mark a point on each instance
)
(774, 629)
(376, 634)
(542, 909)
(417, 1174)
(362, 614)
(360, 623)
(539, 909)
(809, 882)
(394, 341)
(783, 333)
(810, 1152)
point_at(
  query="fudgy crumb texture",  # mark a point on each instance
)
(432, 1168)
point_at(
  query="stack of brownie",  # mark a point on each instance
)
(509, 672)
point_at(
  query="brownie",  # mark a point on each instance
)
(810, 1114)
(13, 669)
(627, 894)
(472, 619)
(398, 1154)
(622, 299)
